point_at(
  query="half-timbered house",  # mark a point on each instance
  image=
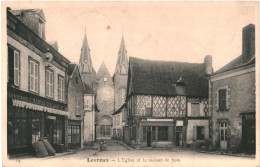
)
(167, 103)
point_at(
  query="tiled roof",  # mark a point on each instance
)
(71, 68)
(119, 110)
(88, 89)
(27, 34)
(160, 77)
(236, 63)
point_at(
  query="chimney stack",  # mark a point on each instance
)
(248, 42)
(208, 64)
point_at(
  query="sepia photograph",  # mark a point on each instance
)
(130, 83)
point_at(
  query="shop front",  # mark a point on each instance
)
(31, 118)
(74, 134)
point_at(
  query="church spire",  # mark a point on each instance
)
(85, 63)
(122, 61)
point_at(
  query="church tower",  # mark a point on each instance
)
(86, 69)
(120, 76)
(105, 103)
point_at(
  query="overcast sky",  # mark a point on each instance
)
(175, 31)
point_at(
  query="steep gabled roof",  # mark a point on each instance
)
(71, 68)
(236, 63)
(88, 89)
(160, 77)
(102, 70)
(120, 109)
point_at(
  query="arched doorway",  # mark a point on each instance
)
(104, 128)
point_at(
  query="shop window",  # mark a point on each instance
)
(33, 75)
(105, 130)
(61, 88)
(17, 128)
(74, 134)
(58, 130)
(195, 109)
(49, 83)
(144, 133)
(36, 125)
(153, 133)
(13, 66)
(162, 133)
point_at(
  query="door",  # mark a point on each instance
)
(248, 133)
(223, 135)
(148, 138)
(48, 130)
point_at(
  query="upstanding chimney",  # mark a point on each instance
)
(208, 64)
(248, 42)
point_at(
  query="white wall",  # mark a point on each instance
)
(24, 80)
(191, 124)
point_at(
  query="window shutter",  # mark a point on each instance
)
(16, 68)
(36, 77)
(189, 109)
(194, 132)
(206, 134)
(11, 64)
(51, 84)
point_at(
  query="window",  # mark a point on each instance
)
(49, 83)
(61, 88)
(58, 131)
(118, 119)
(195, 109)
(77, 107)
(105, 130)
(198, 132)
(222, 99)
(33, 76)
(14, 66)
(144, 133)
(162, 133)
(123, 95)
(74, 134)
(77, 80)
(153, 133)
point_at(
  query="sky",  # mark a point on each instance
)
(171, 31)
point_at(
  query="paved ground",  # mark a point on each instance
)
(118, 154)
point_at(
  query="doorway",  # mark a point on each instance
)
(48, 130)
(148, 138)
(223, 135)
(248, 133)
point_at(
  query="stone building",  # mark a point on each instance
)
(37, 79)
(167, 103)
(75, 107)
(110, 91)
(232, 99)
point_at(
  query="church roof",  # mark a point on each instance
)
(160, 77)
(122, 60)
(103, 70)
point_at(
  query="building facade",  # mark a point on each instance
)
(167, 103)
(90, 109)
(75, 107)
(232, 97)
(37, 98)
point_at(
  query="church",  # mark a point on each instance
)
(110, 89)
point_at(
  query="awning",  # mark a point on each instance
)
(18, 103)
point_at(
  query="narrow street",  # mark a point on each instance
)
(118, 154)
